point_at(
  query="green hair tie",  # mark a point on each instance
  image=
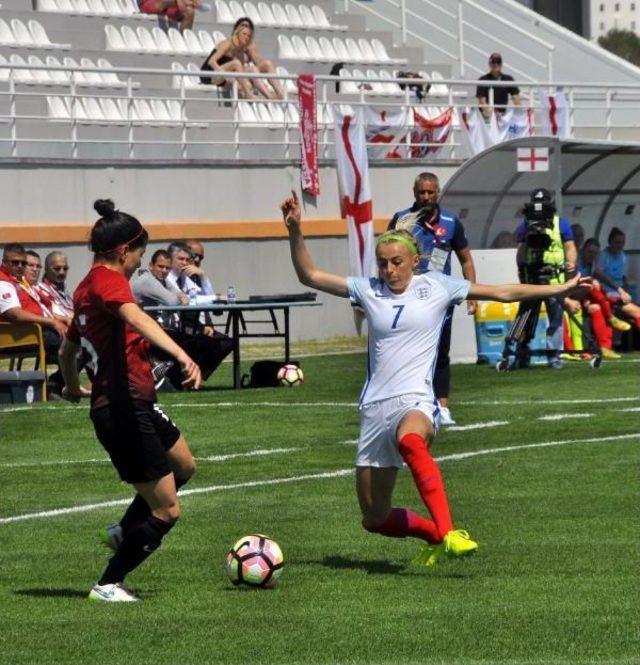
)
(391, 236)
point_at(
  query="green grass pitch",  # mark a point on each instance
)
(555, 579)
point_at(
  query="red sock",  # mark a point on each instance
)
(637, 320)
(401, 523)
(598, 297)
(601, 330)
(428, 479)
(568, 342)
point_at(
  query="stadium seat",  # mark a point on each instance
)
(77, 76)
(111, 78)
(292, 116)
(277, 113)
(321, 18)
(57, 108)
(143, 110)
(236, 9)
(6, 34)
(307, 17)
(300, 48)
(82, 7)
(266, 14)
(56, 76)
(380, 51)
(114, 40)
(21, 34)
(131, 39)
(159, 110)
(39, 75)
(246, 114)
(293, 16)
(177, 41)
(252, 12)
(391, 88)
(367, 50)
(289, 84)
(48, 6)
(218, 36)
(315, 52)
(279, 14)
(92, 109)
(377, 88)
(162, 41)
(147, 42)
(327, 49)
(347, 86)
(92, 78)
(40, 38)
(285, 48)
(342, 55)
(355, 54)
(97, 7)
(192, 42)
(223, 13)
(439, 89)
(20, 75)
(110, 110)
(66, 6)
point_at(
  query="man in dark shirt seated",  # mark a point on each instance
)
(500, 93)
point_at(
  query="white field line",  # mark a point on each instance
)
(260, 452)
(633, 409)
(564, 416)
(169, 405)
(464, 428)
(315, 476)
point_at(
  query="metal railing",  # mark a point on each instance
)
(458, 38)
(201, 122)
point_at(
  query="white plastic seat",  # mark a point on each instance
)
(66, 6)
(358, 74)
(347, 86)
(76, 75)
(266, 15)
(175, 110)
(113, 8)
(6, 34)
(321, 18)
(147, 42)
(56, 76)
(377, 87)
(366, 50)
(438, 88)
(92, 108)
(293, 16)
(277, 113)
(176, 81)
(110, 78)
(114, 39)
(379, 50)
(341, 50)
(77, 109)
(131, 39)
(252, 12)
(48, 6)
(390, 88)
(327, 49)
(39, 75)
(39, 36)
(130, 8)
(143, 111)
(289, 84)
(285, 48)
(300, 48)
(57, 108)
(20, 75)
(314, 48)
(279, 14)
(160, 111)
(162, 41)
(206, 41)
(177, 41)
(217, 37)
(192, 42)
(22, 36)
(262, 112)
(110, 110)
(292, 116)
(307, 17)
(236, 9)
(223, 13)
(92, 78)
(355, 54)
(97, 7)
(82, 7)
(246, 113)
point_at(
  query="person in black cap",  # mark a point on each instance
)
(500, 93)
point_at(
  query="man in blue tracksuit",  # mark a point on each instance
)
(438, 232)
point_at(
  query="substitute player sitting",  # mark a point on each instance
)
(405, 313)
(145, 446)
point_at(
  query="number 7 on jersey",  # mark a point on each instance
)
(394, 325)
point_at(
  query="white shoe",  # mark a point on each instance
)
(111, 536)
(112, 593)
(445, 417)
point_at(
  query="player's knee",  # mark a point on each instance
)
(373, 519)
(169, 513)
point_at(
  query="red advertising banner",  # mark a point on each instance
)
(307, 97)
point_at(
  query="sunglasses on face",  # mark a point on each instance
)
(17, 262)
(495, 62)
(197, 256)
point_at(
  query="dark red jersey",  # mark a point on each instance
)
(121, 354)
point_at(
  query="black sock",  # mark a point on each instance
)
(138, 510)
(141, 541)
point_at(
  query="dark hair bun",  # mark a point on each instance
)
(104, 207)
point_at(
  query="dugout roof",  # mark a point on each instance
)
(596, 184)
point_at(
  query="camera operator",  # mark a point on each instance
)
(546, 255)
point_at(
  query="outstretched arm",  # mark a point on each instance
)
(307, 272)
(576, 287)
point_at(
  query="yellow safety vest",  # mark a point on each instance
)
(554, 256)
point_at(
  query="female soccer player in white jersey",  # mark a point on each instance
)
(405, 313)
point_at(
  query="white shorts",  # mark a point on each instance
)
(379, 422)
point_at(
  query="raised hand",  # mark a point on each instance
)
(578, 287)
(291, 213)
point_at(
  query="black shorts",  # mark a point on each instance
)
(136, 435)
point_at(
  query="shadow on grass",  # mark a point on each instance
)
(52, 593)
(378, 567)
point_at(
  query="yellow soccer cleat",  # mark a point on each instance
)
(455, 544)
(608, 354)
(570, 356)
(618, 324)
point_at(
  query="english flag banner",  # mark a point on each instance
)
(430, 134)
(354, 190)
(385, 132)
(476, 134)
(553, 118)
(516, 123)
(307, 98)
(532, 159)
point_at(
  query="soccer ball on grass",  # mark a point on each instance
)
(290, 375)
(254, 561)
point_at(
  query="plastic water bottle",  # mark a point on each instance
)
(192, 296)
(231, 295)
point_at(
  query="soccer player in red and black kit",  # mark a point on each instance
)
(145, 446)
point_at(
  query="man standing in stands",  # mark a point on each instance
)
(438, 232)
(500, 93)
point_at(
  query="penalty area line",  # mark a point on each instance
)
(338, 473)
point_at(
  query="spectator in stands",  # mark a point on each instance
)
(238, 53)
(610, 270)
(33, 269)
(20, 303)
(500, 93)
(52, 290)
(198, 275)
(180, 11)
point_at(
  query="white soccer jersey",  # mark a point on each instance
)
(8, 297)
(404, 331)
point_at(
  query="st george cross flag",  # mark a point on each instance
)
(430, 131)
(516, 123)
(354, 190)
(553, 116)
(532, 159)
(310, 174)
(385, 132)
(476, 134)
